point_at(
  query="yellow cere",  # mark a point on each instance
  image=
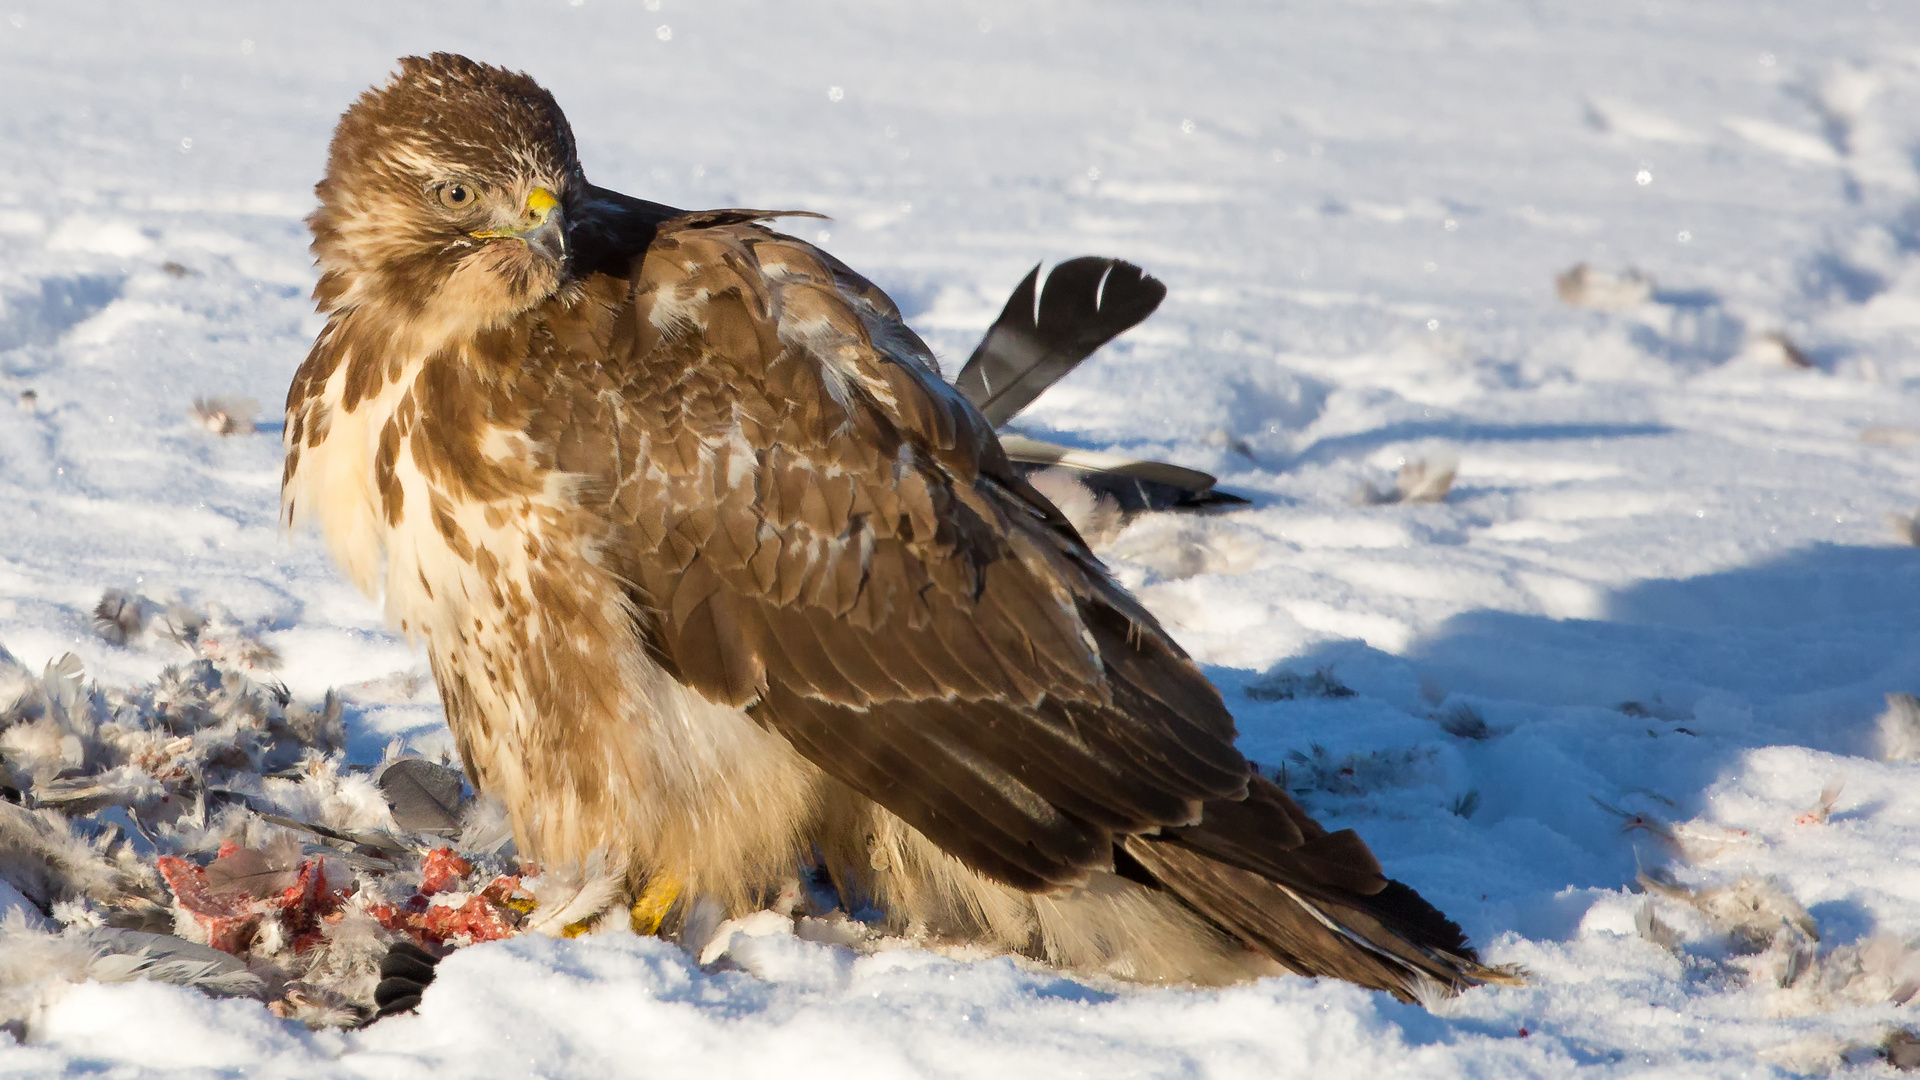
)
(541, 204)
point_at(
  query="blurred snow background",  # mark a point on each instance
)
(1649, 629)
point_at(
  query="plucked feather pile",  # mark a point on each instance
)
(204, 829)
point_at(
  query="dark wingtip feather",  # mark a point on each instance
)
(1134, 493)
(1314, 901)
(1419, 921)
(1134, 485)
(1085, 303)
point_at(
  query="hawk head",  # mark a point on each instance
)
(446, 196)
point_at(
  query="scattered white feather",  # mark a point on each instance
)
(571, 895)
(1583, 286)
(1900, 728)
(1648, 923)
(338, 976)
(759, 924)
(38, 967)
(1754, 913)
(1775, 347)
(119, 616)
(1096, 516)
(327, 795)
(1822, 809)
(225, 415)
(1690, 841)
(485, 827)
(1883, 968)
(45, 859)
(1427, 480)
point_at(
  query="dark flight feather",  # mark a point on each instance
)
(1086, 303)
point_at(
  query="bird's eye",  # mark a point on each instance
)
(456, 196)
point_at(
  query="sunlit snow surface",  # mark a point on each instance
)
(1359, 210)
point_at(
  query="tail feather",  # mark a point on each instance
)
(1086, 303)
(1263, 915)
(1314, 901)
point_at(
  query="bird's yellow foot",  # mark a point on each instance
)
(650, 910)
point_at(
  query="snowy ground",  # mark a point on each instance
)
(1359, 210)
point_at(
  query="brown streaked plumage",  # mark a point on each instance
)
(719, 578)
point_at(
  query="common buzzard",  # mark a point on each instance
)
(719, 577)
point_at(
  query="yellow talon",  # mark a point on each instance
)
(651, 909)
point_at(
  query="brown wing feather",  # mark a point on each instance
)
(1265, 872)
(824, 532)
(818, 529)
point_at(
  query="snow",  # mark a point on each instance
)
(1360, 210)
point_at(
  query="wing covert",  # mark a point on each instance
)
(819, 529)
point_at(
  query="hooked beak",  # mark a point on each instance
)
(543, 229)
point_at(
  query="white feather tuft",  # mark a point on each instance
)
(569, 896)
(1900, 728)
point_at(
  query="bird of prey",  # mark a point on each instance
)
(719, 579)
